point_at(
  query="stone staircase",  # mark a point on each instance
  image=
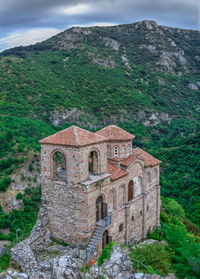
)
(97, 236)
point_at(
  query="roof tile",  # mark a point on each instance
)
(115, 133)
(140, 154)
(115, 172)
(73, 136)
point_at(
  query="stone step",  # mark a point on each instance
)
(93, 243)
(96, 236)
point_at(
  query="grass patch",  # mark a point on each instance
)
(106, 253)
(151, 258)
(60, 242)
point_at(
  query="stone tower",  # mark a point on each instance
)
(68, 158)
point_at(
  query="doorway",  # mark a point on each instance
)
(93, 162)
(101, 209)
(106, 239)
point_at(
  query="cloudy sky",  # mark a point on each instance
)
(24, 22)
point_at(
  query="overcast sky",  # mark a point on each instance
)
(24, 22)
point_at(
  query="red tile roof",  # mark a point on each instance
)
(128, 161)
(115, 133)
(115, 172)
(73, 136)
(140, 154)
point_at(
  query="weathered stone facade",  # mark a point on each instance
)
(102, 177)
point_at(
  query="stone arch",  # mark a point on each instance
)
(93, 162)
(113, 198)
(138, 167)
(130, 190)
(59, 165)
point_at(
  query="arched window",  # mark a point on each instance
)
(130, 190)
(116, 151)
(59, 166)
(93, 162)
(109, 151)
(149, 177)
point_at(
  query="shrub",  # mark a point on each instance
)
(173, 208)
(154, 257)
(19, 196)
(106, 252)
(4, 262)
(157, 234)
(191, 227)
(60, 242)
(4, 183)
(185, 251)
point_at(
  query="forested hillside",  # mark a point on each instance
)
(142, 77)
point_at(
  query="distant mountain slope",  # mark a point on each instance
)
(107, 73)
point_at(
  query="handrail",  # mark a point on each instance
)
(107, 221)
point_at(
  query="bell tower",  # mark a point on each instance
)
(68, 159)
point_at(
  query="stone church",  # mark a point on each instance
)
(97, 188)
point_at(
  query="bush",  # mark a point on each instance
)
(19, 196)
(23, 219)
(157, 234)
(173, 208)
(191, 227)
(4, 262)
(63, 243)
(154, 257)
(106, 252)
(4, 183)
(185, 251)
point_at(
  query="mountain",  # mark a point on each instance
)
(100, 75)
(141, 76)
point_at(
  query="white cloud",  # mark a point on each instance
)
(27, 37)
(76, 9)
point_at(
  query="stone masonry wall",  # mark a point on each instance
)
(124, 147)
(76, 160)
(67, 212)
